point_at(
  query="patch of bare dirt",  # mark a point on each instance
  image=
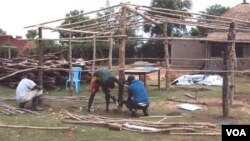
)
(69, 133)
(190, 89)
(244, 97)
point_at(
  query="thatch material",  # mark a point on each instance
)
(239, 12)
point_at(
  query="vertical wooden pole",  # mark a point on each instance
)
(225, 90)
(40, 63)
(228, 65)
(122, 44)
(232, 62)
(70, 69)
(206, 61)
(111, 51)
(94, 54)
(165, 34)
(9, 53)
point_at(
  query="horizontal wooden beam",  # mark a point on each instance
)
(189, 39)
(67, 30)
(80, 38)
(8, 46)
(133, 10)
(58, 20)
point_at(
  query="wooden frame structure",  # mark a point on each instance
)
(128, 18)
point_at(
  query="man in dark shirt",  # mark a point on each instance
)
(106, 80)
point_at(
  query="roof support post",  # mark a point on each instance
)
(9, 53)
(94, 54)
(233, 62)
(166, 48)
(70, 69)
(111, 43)
(40, 51)
(229, 59)
(122, 44)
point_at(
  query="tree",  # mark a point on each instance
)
(49, 46)
(2, 32)
(79, 49)
(130, 45)
(156, 30)
(173, 29)
(31, 34)
(71, 18)
(216, 10)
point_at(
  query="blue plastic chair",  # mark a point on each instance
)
(76, 78)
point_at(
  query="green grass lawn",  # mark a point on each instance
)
(52, 115)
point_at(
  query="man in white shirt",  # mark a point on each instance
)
(28, 90)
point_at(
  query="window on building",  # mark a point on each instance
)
(217, 49)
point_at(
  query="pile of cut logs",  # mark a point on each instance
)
(55, 70)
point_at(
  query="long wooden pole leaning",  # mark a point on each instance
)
(40, 63)
(122, 44)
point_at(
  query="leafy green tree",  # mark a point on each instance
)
(2, 32)
(79, 49)
(31, 34)
(49, 46)
(173, 29)
(85, 49)
(155, 49)
(216, 10)
(130, 45)
(75, 18)
(195, 31)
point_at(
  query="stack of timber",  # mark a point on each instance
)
(56, 70)
(144, 126)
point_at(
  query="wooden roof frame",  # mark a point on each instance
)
(152, 15)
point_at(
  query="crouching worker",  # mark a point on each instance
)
(28, 90)
(106, 80)
(137, 96)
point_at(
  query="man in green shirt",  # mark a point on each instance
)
(106, 80)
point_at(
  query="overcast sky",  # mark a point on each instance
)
(16, 14)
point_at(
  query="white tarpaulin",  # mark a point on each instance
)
(189, 107)
(199, 79)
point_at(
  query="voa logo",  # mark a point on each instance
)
(236, 132)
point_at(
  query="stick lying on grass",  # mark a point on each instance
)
(34, 127)
(10, 110)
